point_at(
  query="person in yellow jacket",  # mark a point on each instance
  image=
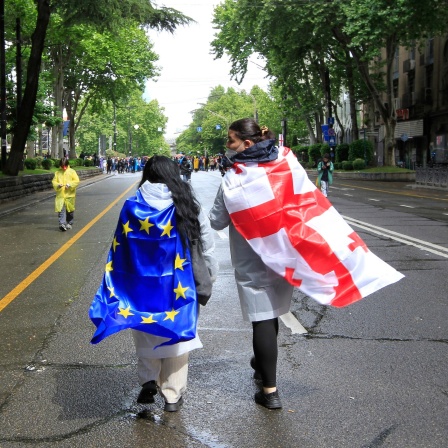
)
(65, 182)
(196, 164)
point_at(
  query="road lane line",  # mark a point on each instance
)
(409, 240)
(399, 193)
(407, 206)
(6, 300)
(293, 324)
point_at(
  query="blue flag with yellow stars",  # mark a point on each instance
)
(148, 284)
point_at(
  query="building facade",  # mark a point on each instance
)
(420, 80)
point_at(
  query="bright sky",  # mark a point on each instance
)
(188, 70)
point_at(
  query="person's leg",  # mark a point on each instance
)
(70, 217)
(173, 380)
(266, 352)
(324, 187)
(148, 369)
(62, 219)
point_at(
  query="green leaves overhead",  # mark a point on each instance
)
(109, 14)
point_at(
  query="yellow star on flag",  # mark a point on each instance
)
(147, 320)
(178, 262)
(115, 243)
(145, 225)
(167, 229)
(171, 314)
(126, 312)
(180, 291)
(112, 291)
(126, 228)
(109, 267)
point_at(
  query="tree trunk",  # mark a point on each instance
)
(25, 117)
(351, 94)
(71, 117)
(387, 113)
(310, 130)
(30, 144)
(58, 88)
(339, 122)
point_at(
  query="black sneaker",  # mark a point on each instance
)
(269, 401)
(147, 393)
(253, 364)
(173, 407)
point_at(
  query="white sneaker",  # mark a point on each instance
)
(68, 226)
(62, 228)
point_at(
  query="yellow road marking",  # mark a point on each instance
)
(5, 301)
(399, 193)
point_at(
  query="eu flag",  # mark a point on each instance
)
(148, 284)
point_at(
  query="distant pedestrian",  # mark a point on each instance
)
(65, 182)
(325, 169)
(185, 168)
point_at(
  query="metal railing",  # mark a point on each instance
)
(436, 176)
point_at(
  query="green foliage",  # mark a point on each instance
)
(342, 152)
(30, 164)
(361, 149)
(337, 165)
(359, 164)
(47, 164)
(223, 107)
(88, 162)
(301, 152)
(316, 151)
(347, 165)
(39, 160)
(136, 120)
(73, 162)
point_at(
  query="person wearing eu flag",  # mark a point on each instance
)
(148, 284)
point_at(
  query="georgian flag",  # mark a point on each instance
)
(299, 234)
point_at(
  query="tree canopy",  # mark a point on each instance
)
(301, 41)
(120, 21)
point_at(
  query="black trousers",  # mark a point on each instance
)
(264, 341)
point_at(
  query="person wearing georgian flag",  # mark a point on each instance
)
(284, 233)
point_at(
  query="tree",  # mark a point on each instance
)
(223, 107)
(146, 138)
(102, 13)
(105, 66)
(313, 37)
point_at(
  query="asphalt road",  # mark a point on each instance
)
(370, 375)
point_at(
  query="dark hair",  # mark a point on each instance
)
(64, 162)
(247, 129)
(326, 156)
(161, 169)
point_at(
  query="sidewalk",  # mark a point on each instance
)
(40, 196)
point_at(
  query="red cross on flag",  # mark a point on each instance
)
(299, 234)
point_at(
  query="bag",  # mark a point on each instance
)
(201, 274)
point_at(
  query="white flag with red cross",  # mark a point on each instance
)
(299, 234)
